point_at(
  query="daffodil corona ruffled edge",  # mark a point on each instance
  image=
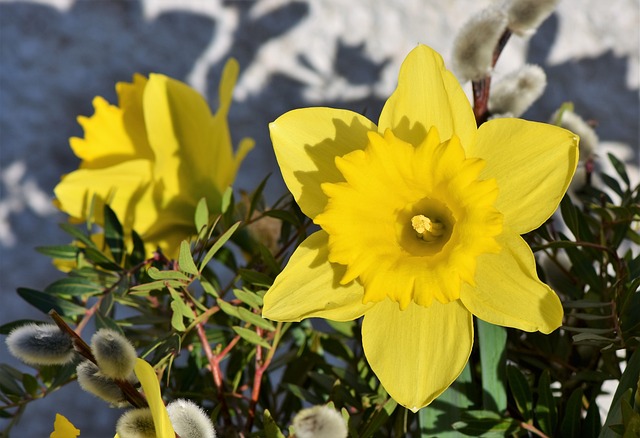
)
(153, 157)
(420, 219)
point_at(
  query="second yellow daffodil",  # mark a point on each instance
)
(153, 157)
(420, 217)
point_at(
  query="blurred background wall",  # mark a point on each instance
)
(56, 55)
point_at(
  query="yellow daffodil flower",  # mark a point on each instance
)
(420, 219)
(153, 157)
(63, 428)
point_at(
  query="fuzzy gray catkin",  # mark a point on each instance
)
(92, 380)
(136, 423)
(114, 354)
(319, 422)
(189, 420)
(517, 91)
(525, 16)
(41, 344)
(475, 43)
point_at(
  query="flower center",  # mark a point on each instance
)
(427, 229)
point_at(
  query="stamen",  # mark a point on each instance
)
(427, 229)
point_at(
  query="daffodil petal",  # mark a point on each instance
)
(533, 164)
(427, 95)
(418, 352)
(309, 287)
(63, 428)
(508, 291)
(306, 143)
(151, 388)
(124, 187)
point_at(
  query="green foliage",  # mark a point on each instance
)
(254, 375)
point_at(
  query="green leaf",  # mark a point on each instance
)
(113, 234)
(570, 426)
(592, 422)
(284, 216)
(75, 286)
(437, 419)
(546, 411)
(185, 259)
(62, 252)
(201, 216)
(251, 336)
(227, 197)
(248, 297)
(157, 274)
(138, 252)
(46, 302)
(99, 258)
(254, 319)
(143, 289)
(629, 380)
(79, 235)
(520, 390)
(218, 244)
(620, 168)
(486, 424)
(229, 309)
(271, 429)
(379, 418)
(9, 378)
(30, 384)
(256, 196)
(177, 316)
(254, 277)
(493, 345)
(570, 215)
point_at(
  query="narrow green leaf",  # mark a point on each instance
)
(271, 429)
(546, 411)
(251, 336)
(30, 384)
(487, 424)
(185, 259)
(629, 380)
(248, 297)
(218, 244)
(63, 252)
(9, 378)
(620, 168)
(254, 319)
(73, 286)
(379, 418)
(157, 274)
(138, 252)
(99, 258)
(177, 317)
(79, 235)
(46, 302)
(144, 289)
(185, 310)
(256, 196)
(570, 215)
(437, 419)
(229, 309)
(201, 216)
(584, 304)
(254, 277)
(227, 197)
(493, 345)
(113, 234)
(592, 422)
(520, 390)
(570, 426)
